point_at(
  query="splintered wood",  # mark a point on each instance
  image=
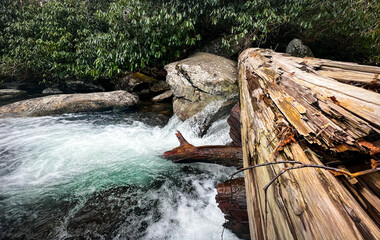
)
(303, 110)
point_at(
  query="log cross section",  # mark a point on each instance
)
(283, 98)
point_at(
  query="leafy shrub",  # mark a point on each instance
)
(344, 28)
(65, 38)
(100, 39)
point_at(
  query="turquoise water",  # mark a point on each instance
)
(100, 176)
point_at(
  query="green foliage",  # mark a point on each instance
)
(9, 11)
(347, 28)
(44, 39)
(92, 39)
(72, 38)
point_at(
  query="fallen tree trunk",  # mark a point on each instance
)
(292, 114)
(360, 75)
(187, 153)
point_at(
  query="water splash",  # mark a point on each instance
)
(54, 169)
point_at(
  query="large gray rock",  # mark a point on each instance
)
(69, 103)
(6, 94)
(200, 80)
(296, 48)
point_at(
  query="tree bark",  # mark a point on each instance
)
(187, 153)
(231, 200)
(234, 123)
(289, 112)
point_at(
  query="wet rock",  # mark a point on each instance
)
(105, 212)
(143, 93)
(163, 96)
(296, 48)
(134, 82)
(69, 103)
(31, 86)
(6, 94)
(51, 91)
(82, 87)
(159, 86)
(200, 80)
(216, 47)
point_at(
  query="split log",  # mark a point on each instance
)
(362, 75)
(289, 112)
(187, 153)
(232, 201)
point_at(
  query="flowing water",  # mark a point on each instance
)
(100, 176)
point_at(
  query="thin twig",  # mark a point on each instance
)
(307, 166)
(263, 165)
(252, 167)
(375, 168)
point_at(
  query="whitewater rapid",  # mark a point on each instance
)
(83, 175)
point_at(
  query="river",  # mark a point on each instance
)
(100, 176)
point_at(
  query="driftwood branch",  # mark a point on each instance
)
(219, 154)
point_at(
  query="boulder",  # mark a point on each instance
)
(163, 96)
(6, 94)
(296, 48)
(199, 81)
(82, 87)
(134, 82)
(51, 91)
(159, 86)
(68, 103)
(217, 47)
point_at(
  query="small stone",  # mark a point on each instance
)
(163, 96)
(51, 91)
(159, 86)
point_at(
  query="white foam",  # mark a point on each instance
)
(51, 154)
(194, 217)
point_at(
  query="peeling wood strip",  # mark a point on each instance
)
(347, 76)
(308, 195)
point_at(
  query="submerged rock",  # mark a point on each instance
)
(296, 48)
(69, 103)
(6, 94)
(200, 80)
(105, 212)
